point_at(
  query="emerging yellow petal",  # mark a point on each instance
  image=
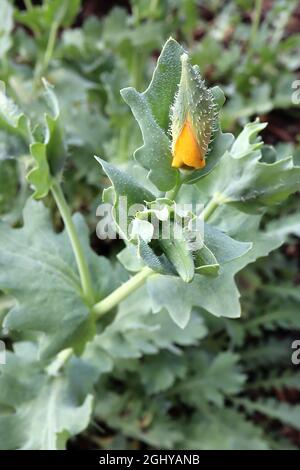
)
(186, 151)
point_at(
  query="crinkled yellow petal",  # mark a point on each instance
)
(186, 150)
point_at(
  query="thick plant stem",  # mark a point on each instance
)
(122, 292)
(212, 206)
(75, 242)
(174, 191)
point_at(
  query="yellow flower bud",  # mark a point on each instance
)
(193, 119)
(186, 150)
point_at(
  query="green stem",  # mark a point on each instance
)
(212, 206)
(42, 66)
(122, 292)
(75, 242)
(137, 67)
(50, 44)
(153, 7)
(173, 192)
(256, 21)
(60, 360)
(28, 4)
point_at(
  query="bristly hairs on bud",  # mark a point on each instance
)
(194, 107)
